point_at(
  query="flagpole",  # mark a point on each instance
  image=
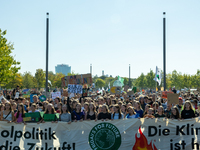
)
(47, 50)
(164, 51)
(156, 88)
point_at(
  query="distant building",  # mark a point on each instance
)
(64, 69)
(102, 72)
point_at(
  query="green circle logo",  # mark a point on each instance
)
(105, 136)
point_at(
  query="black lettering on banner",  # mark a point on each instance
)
(165, 132)
(17, 136)
(178, 129)
(150, 133)
(4, 146)
(5, 133)
(16, 148)
(51, 135)
(27, 135)
(33, 133)
(31, 145)
(193, 145)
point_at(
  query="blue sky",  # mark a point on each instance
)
(109, 34)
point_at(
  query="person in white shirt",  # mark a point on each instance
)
(117, 113)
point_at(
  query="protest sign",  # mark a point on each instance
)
(26, 93)
(164, 94)
(32, 117)
(17, 95)
(77, 79)
(49, 117)
(118, 90)
(42, 98)
(112, 90)
(172, 98)
(55, 94)
(72, 88)
(128, 134)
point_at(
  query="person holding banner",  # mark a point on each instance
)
(20, 114)
(160, 112)
(7, 114)
(77, 114)
(65, 115)
(117, 113)
(49, 114)
(138, 109)
(188, 111)
(104, 115)
(131, 113)
(91, 114)
(175, 113)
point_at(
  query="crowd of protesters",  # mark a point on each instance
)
(99, 106)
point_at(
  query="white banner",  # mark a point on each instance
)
(131, 134)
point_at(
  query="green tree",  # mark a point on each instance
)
(100, 83)
(168, 80)
(17, 81)
(126, 81)
(150, 82)
(8, 65)
(141, 81)
(72, 74)
(28, 80)
(40, 78)
(57, 81)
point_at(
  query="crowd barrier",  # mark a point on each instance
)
(128, 134)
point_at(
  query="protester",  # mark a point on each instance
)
(168, 111)
(149, 114)
(20, 114)
(33, 108)
(188, 111)
(131, 113)
(175, 113)
(65, 115)
(117, 113)
(50, 110)
(91, 114)
(104, 115)
(138, 109)
(7, 114)
(77, 114)
(160, 113)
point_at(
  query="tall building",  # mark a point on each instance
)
(64, 69)
(102, 72)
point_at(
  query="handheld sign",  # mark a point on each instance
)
(172, 98)
(49, 117)
(32, 117)
(42, 98)
(164, 94)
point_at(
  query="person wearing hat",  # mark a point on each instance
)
(180, 104)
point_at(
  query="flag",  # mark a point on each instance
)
(158, 76)
(121, 80)
(109, 85)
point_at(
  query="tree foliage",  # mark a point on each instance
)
(8, 65)
(40, 78)
(100, 83)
